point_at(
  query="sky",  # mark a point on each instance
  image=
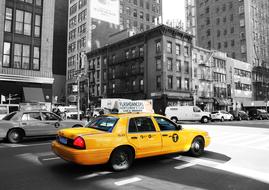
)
(173, 9)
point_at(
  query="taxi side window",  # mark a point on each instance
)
(141, 124)
(31, 116)
(49, 117)
(165, 124)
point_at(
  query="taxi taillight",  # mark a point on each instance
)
(79, 143)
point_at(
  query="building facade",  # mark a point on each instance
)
(86, 33)
(26, 44)
(155, 64)
(239, 28)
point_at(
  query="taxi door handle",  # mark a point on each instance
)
(133, 137)
(165, 135)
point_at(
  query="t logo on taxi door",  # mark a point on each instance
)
(175, 137)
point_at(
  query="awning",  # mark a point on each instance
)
(222, 101)
(33, 94)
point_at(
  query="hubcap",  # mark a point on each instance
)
(196, 146)
(15, 135)
(122, 159)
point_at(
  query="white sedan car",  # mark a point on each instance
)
(221, 115)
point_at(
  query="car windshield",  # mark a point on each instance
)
(9, 116)
(103, 123)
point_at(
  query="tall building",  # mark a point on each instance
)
(89, 27)
(240, 28)
(26, 44)
(155, 64)
(32, 53)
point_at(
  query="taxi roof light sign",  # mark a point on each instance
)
(128, 106)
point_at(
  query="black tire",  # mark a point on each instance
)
(204, 119)
(222, 119)
(232, 118)
(121, 159)
(197, 147)
(174, 119)
(15, 136)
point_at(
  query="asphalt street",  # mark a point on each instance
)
(236, 159)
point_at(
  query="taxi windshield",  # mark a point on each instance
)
(103, 123)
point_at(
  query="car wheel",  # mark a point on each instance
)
(231, 118)
(174, 119)
(197, 147)
(121, 159)
(222, 119)
(204, 120)
(15, 136)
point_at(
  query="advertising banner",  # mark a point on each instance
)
(106, 10)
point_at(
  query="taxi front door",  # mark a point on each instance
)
(143, 136)
(172, 139)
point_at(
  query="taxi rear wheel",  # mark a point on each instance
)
(197, 147)
(121, 159)
(15, 136)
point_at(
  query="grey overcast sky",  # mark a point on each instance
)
(173, 9)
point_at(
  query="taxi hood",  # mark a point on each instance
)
(75, 132)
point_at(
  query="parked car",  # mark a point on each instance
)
(221, 115)
(241, 115)
(186, 113)
(19, 124)
(258, 114)
(7, 108)
(118, 139)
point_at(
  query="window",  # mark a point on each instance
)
(82, 3)
(187, 84)
(141, 15)
(73, 22)
(158, 64)
(178, 65)
(37, 26)
(170, 82)
(178, 83)
(73, 9)
(23, 22)
(158, 82)
(177, 49)
(135, 13)
(38, 2)
(82, 29)
(186, 67)
(158, 46)
(36, 58)
(169, 64)
(186, 51)
(141, 85)
(127, 54)
(141, 124)
(26, 57)
(8, 20)
(141, 51)
(82, 16)
(72, 34)
(6, 56)
(17, 55)
(169, 47)
(31, 116)
(165, 124)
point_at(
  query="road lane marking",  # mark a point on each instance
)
(93, 175)
(184, 166)
(30, 158)
(253, 174)
(127, 181)
(48, 159)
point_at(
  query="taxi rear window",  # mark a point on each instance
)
(104, 123)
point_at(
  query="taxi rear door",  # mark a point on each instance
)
(142, 134)
(172, 139)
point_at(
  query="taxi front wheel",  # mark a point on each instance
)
(15, 136)
(197, 147)
(121, 159)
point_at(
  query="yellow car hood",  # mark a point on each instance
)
(75, 132)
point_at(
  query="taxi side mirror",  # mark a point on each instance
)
(179, 127)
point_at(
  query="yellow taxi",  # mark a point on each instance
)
(118, 139)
